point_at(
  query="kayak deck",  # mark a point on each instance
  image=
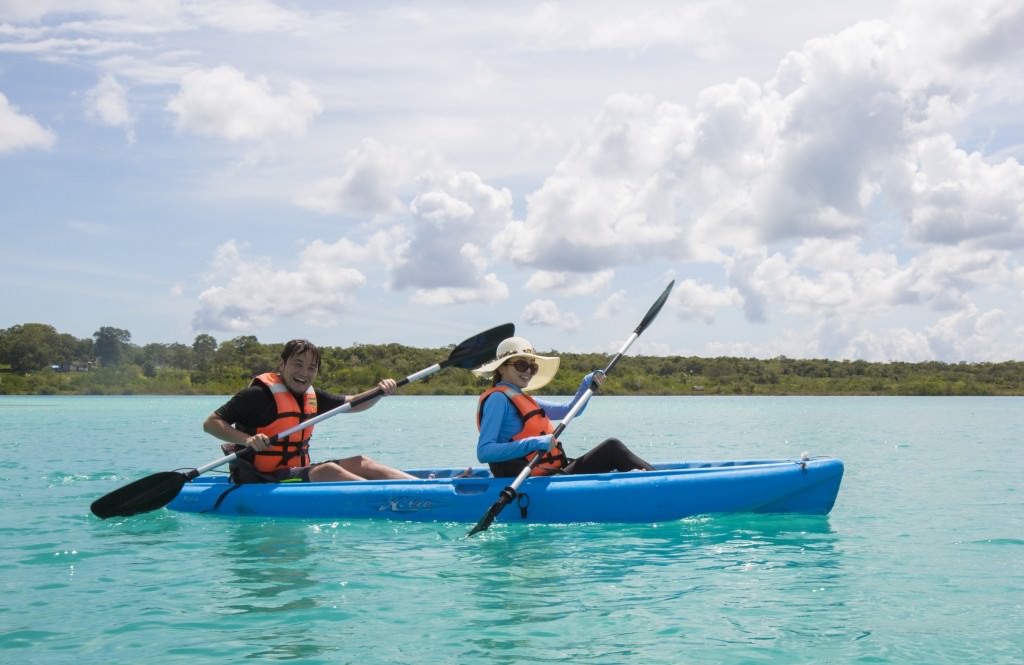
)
(670, 492)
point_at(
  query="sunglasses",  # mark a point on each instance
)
(521, 365)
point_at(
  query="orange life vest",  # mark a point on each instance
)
(535, 423)
(293, 450)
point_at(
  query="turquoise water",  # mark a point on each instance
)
(921, 561)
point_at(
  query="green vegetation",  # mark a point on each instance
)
(35, 359)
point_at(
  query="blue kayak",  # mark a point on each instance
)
(670, 492)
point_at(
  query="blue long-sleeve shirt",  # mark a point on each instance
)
(500, 421)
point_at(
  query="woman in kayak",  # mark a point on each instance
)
(277, 401)
(514, 427)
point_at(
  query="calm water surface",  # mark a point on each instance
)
(921, 561)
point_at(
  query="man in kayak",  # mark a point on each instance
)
(280, 400)
(514, 427)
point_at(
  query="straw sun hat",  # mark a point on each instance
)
(518, 347)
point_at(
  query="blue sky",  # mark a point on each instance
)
(821, 180)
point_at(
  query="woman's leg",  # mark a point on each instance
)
(609, 455)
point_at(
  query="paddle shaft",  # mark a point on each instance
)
(347, 406)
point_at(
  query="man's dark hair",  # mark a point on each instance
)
(297, 347)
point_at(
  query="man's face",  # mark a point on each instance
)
(299, 371)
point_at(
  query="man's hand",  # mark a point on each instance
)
(257, 442)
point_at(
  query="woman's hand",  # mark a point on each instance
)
(594, 379)
(540, 443)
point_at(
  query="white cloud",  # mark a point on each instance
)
(742, 274)
(438, 250)
(945, 277)
(960, 197)
(379, 248)
(588, 26)
(453, 222)
(546, 313)
(694, 300)
(107, 102)
(962, 37)
(243, 15)
(67, 49)
(490, 289)
(568, 283)
(21, 132)
(371, 180)
(969, 333)
(965, 333)
(834, 279)
(224, 103)
(755, 167)
(882, 345)
(117, 16)
(610, 307)
(607, 202)
(37, 10)
(751, 164)
(252, 293)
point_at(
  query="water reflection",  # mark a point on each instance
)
(728, 576)
(158, 528)
(269, 564)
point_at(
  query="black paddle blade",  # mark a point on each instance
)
(141, 496)
(655, 308)
(506, 497)
(479, 348)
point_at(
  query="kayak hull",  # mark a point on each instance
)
(671, 492)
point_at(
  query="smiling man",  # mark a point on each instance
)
(276, 401)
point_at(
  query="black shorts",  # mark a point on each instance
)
(243, 471)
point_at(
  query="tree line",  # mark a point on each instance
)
(37, 359)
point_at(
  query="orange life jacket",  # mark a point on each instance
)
(293, 450)
(535, 423)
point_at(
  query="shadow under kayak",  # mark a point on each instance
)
(670, 492)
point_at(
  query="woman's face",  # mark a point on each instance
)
(518, 371)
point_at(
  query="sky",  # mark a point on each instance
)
(821, 179)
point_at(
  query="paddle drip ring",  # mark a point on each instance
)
(523, 501)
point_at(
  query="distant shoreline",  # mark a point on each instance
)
(353, 370)
(36, 359)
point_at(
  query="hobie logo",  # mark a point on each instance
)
(404, 504)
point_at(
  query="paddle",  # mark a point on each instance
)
(509, 493)
(159, 489)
